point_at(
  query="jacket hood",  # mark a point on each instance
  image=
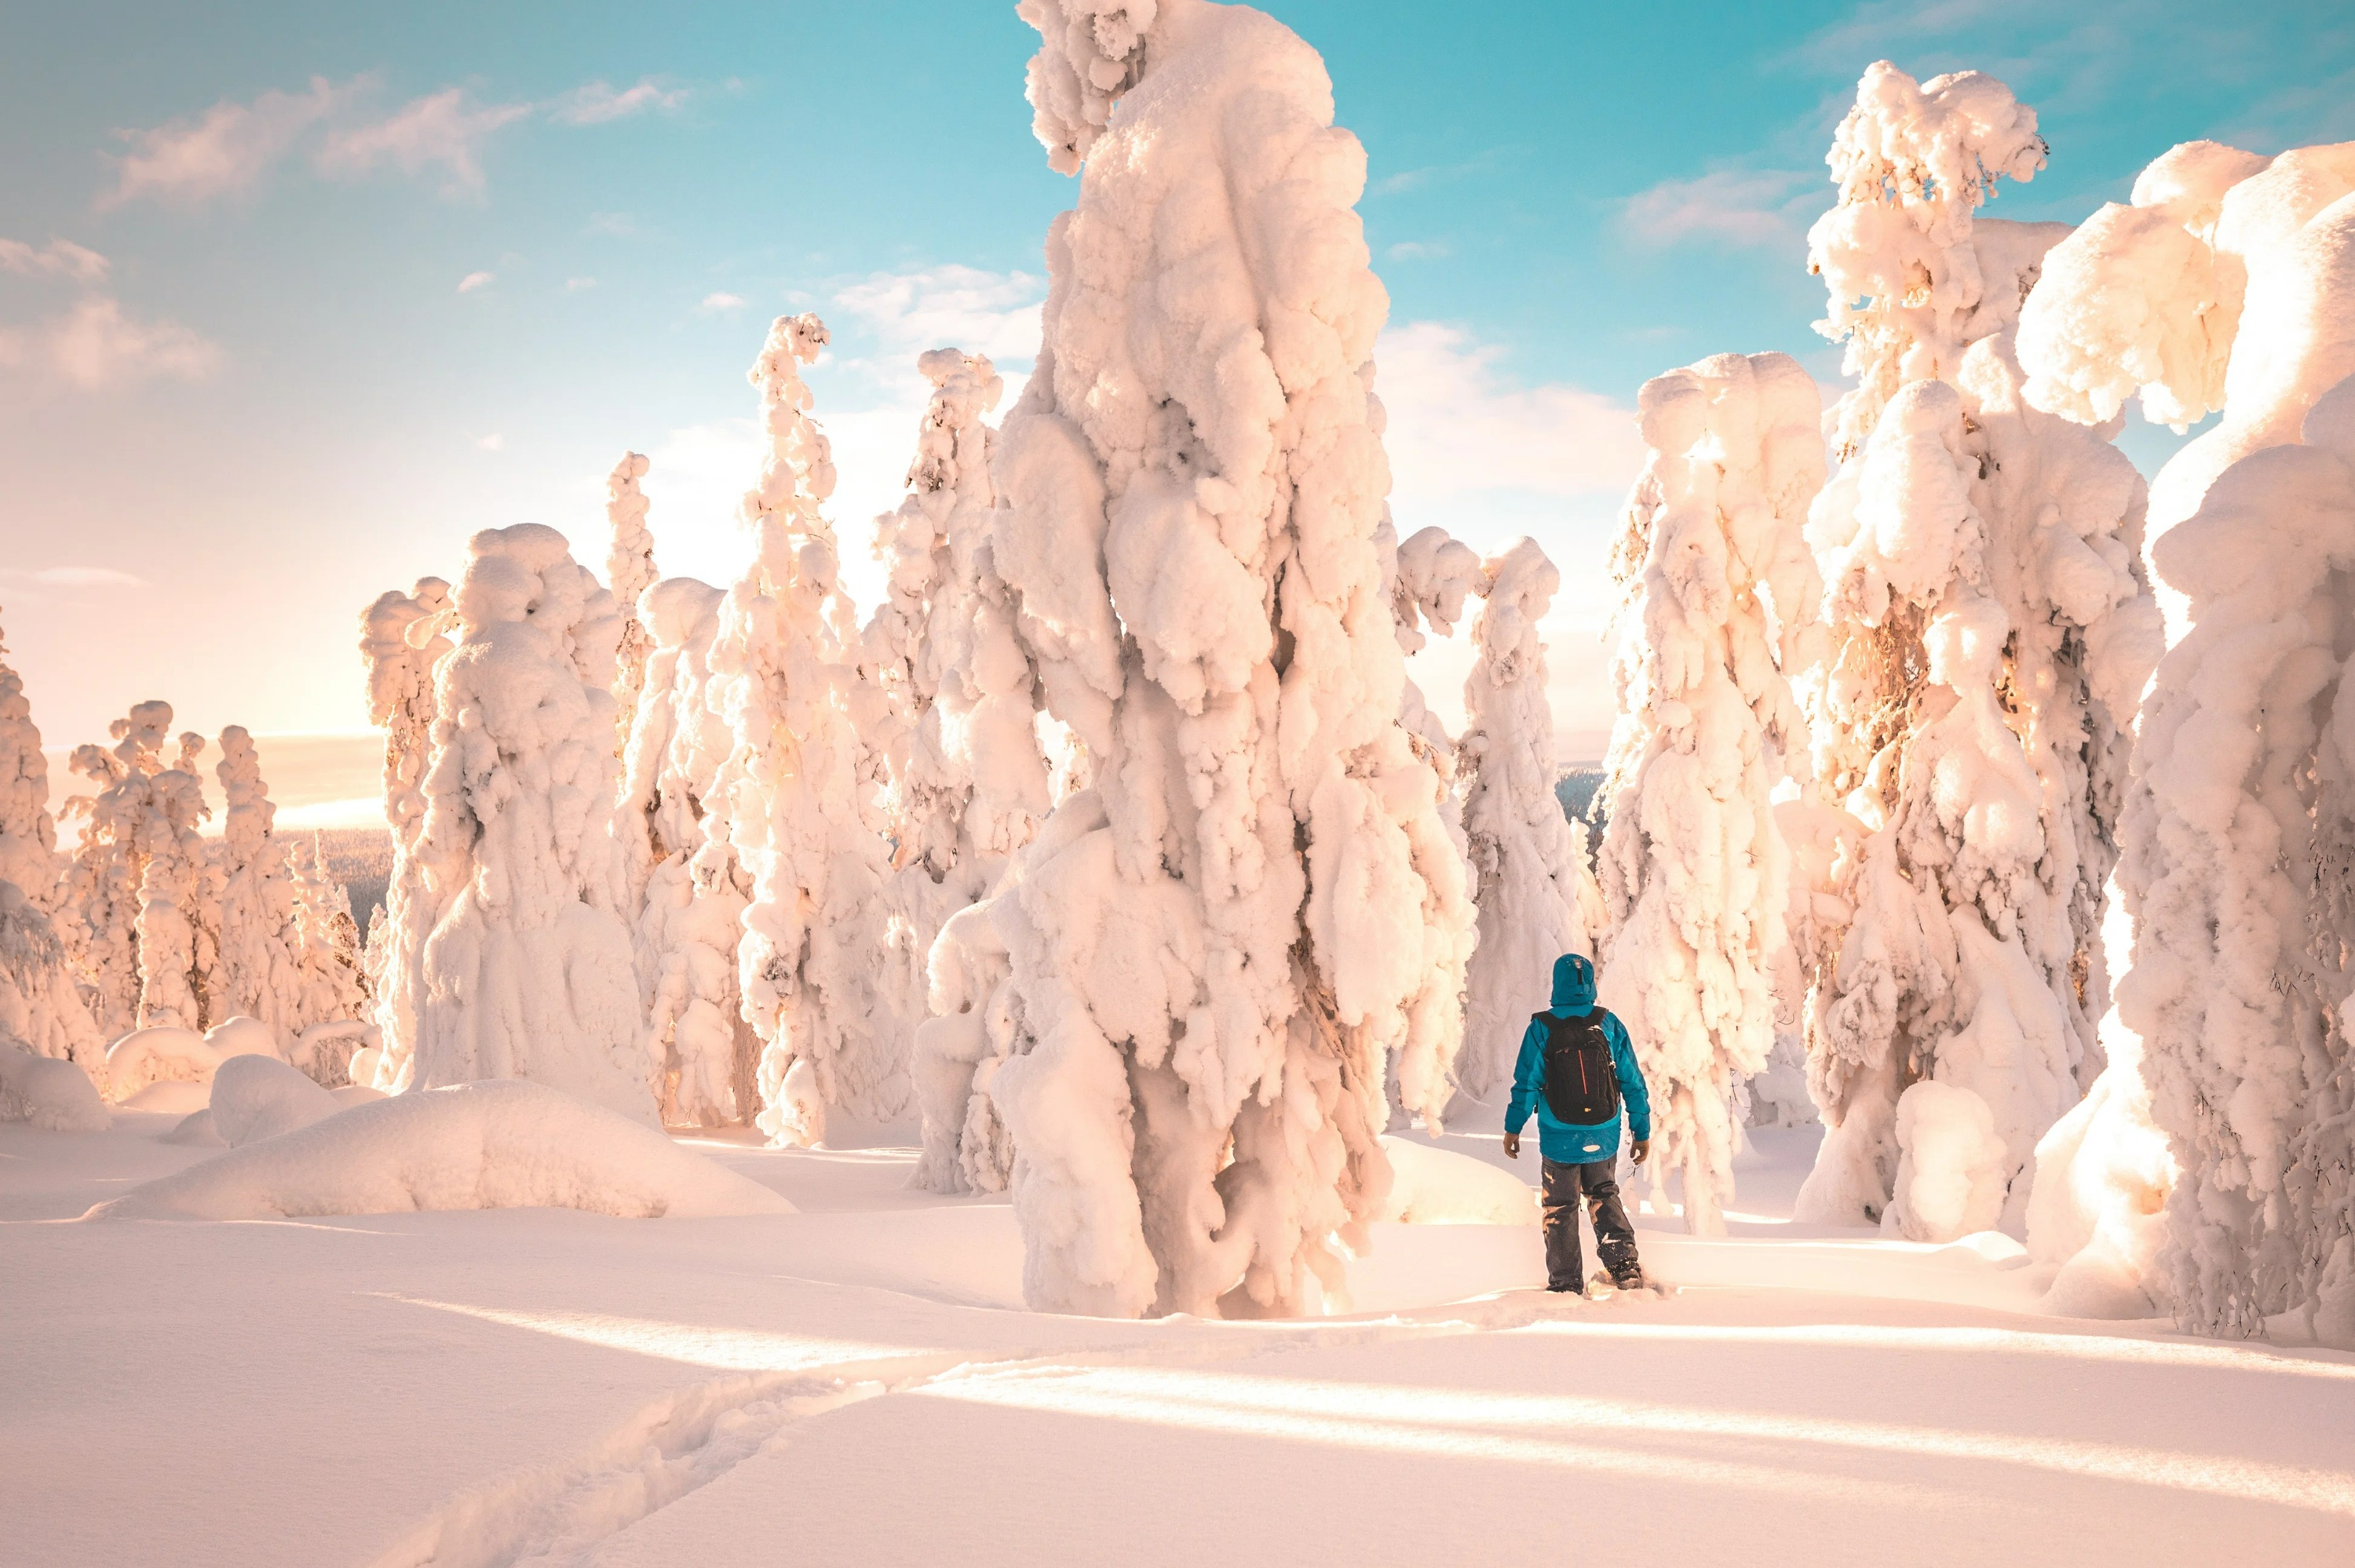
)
(1573, 981)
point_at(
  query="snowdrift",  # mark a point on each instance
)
(1440, 1187)
(256, 1097)
(499, 1144)
(49, 1092)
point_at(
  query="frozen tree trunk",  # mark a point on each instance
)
(630, 569)
(969, 779)
(1537, 897)
(1694, 870)
(1990, 631)
(1215, 952)
(527, 969)
(403, 642)
(796, 817)
(40, 1007)
(688, 919)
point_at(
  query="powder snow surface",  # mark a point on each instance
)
(551, 1386)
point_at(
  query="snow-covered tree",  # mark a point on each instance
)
(527, 969)
(1536, 893)
(700, 1046)
(630, 571)
(40, 1006)
(1215, 951)
(969, 780)
(1430, 577)
(1990, 631)
(403, 642)
(797, 816)
(2228, 283)
(1724, 597)
(261, 942)
(333, 977)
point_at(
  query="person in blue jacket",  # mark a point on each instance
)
(1577, 1065)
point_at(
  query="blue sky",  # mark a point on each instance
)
(294, 298)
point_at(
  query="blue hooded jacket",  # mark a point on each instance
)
(1574, 996)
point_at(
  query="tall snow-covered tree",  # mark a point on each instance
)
(630, 571)
(969, 778)
(403, 642)
(40, 1007)
(1724, 598)
(1537, 896)
(260, 941)
(1990, 631)
(797, 815)
(527, 969)
(332, 977)
(1215, 951)
(699, 1046)
(2229, 281)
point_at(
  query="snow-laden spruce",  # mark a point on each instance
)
(2240, 870)
(403, 640)
(1724, 598)
(2228, 282)
(797, 817)
(41, 1008)
(629, 572)
(1218, 950)
(969, 780)
(283, 958)
(142, 883)
(526, 971)
(1991, 633)
(2224, 285)
(1535, 892)
(700, 1049)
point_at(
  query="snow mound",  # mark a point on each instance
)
(1950, 1167)
(502, 1143)
(1440, 1187)
(196, 1127)
(166, 1053)
(256, 1097)
(49, 1092)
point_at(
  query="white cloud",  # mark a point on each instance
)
(226, 148)
(58, 258)
(1416, 250)
(1457, 425)
(95, 346)
(722, 303)
(595, 102)
(439, 130)
(1728, 207)
(473, 281)
(494, 442)
(574, 285)
(74, 577)
(615, 224)
(905, 314)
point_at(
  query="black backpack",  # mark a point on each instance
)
(1581, 1085)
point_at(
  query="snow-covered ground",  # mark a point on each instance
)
(858, 1381)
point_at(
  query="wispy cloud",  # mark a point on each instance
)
(440, 130)
(1726, 206)
(73, 578)
(494, 442)
(58, 258)
(574, 285)
(227, 149)
(473, 281)
(1457, 424)
(1417, 250)
(595, 102)
(904, 313)
(98, 345)
(714, 303)
(615, 224)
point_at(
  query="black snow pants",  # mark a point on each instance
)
(1614, 1238)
